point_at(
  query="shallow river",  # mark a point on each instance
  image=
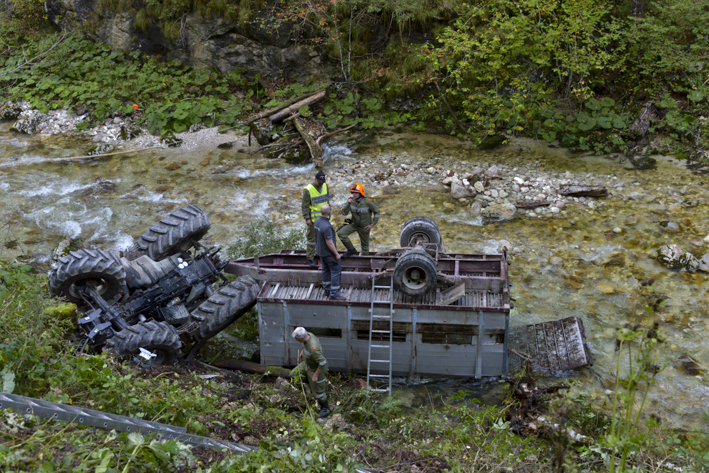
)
(107, 202)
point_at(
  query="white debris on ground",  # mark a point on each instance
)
(118, 131)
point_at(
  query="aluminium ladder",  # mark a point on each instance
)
(382, 351)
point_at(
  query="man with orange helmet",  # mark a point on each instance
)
(364, 216)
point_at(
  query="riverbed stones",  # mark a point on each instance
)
(458, 191)
(28, 122)
(479, 187)
(493, 171)
(501, 212)
(703, 263)
(606, 288)
(673, 257)
(10, 111)
(672, 227)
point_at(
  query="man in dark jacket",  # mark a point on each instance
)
(326, 249)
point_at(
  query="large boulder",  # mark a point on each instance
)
(501, 212)
(28, 122)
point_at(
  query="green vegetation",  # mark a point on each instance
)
(262, 237)
(37, 359)
(577, 72)
(57, 71)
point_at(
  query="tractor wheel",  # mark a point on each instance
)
(222, 308)
(175, 233)
(159, 338)
(415, 273)
(99, 269)
(419, 230)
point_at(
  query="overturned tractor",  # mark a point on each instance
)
(168, 292)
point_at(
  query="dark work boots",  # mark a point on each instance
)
(349, 253)
(324, 409)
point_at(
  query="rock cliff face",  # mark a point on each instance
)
(224, 45)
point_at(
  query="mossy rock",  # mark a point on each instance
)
(130, 131)
(10, 111)
(171, 140)
(103, 148)
(295, 156)
(492, 141)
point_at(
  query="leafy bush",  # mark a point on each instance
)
(262, 238)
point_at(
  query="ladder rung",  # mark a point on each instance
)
(379, 361)
(378, 375)
(381, 346)
(381, 302)
(382, 287)
(381, 331)
(380, 390)
(381, 316)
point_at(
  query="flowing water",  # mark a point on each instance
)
(106, 202)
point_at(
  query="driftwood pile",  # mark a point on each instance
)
(311, 132)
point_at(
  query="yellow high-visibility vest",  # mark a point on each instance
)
(317, 199)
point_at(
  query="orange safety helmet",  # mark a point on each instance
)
(357, 187)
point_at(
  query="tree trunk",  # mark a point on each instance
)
(315, 151)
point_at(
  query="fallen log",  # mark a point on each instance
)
(249, 367)
(584, 191)
(523, 204)
(315, 151)
(290, 110)
(273, 110)
(327, 135)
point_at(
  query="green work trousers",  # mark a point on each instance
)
(347, 230)
(310, 245)
(319, 389)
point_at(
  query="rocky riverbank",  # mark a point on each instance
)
(113, 133)
(486, 191)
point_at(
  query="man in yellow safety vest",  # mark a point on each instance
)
(315, 195)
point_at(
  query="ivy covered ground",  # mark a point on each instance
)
(578, 73)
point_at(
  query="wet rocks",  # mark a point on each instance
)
(613, 258)
(500, 212)
(10, 111)
(671, 227)
(171, 141)
(458, 191)
(675, 258)
(28, 121)
(703, 263)
(102, 148)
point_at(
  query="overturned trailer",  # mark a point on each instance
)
(431, 335)
(408, 311)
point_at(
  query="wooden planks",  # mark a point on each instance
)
(557, 346)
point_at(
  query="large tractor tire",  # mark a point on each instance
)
(175, 233)
(99, 269)
(415, 273)
(418, 231)
(160, 338)
(223, 308)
